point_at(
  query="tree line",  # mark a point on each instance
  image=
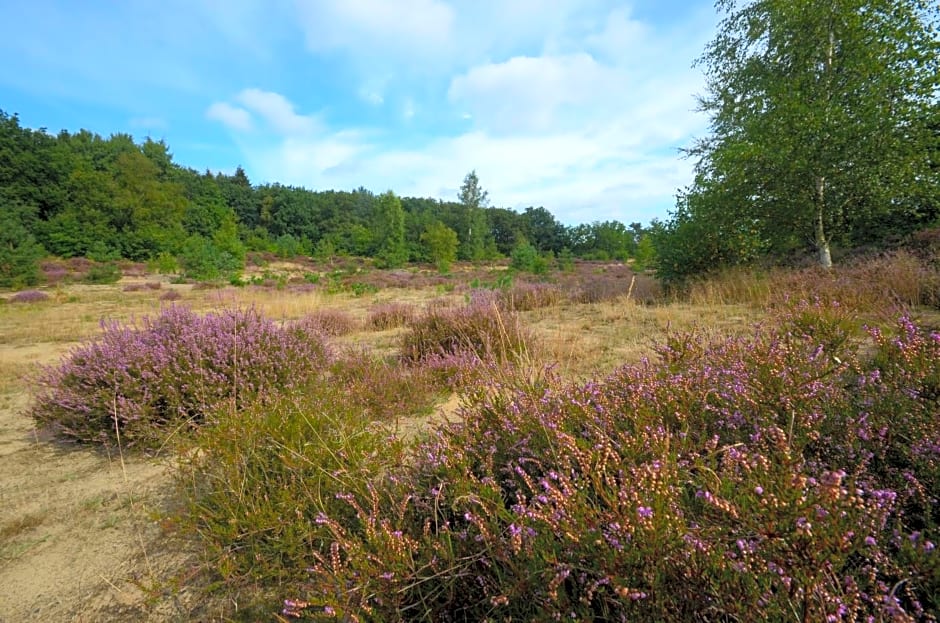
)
(82, 195)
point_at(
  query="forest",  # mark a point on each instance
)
(82, 195)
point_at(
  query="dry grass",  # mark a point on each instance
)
(588, 340)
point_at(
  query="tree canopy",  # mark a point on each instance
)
(823, 121)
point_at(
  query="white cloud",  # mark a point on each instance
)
(373, 28)
(527, 94)
(587, 124)
(231, 116)
(277, 111)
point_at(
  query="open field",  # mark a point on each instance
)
(83, 530)
(80, 530)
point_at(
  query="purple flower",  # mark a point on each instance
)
(644, 512)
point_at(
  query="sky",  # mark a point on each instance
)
(578, 106)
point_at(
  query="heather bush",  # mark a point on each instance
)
(171, 295)
(479, 328)
(172, 371)
(332, 322)
(768, 478)
(390, 316)
(524, 296)
(29, 296)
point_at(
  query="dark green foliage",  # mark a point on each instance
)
(108, 272)
(204, 259)
(110, 198)
(390, 231)
(19, 251)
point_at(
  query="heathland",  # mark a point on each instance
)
(337, 441)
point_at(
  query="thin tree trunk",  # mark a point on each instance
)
(822, 242)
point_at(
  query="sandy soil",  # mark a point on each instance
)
(80, 536)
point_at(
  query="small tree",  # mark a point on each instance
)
(441, 242)
(390, 231)
(474, 199)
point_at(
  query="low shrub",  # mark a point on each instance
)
(261, 483)
(524, 296)
(172, 371)
(478, 328)
(332, 322)
(29, 296)
(171, 295)
(109, 272)
(769, 478)
(390, 316)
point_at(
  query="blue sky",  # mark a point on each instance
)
(579, 106)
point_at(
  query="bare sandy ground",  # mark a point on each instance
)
(80, 531)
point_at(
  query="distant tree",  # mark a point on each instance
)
(390, 231)
(819, 119)
(441, 242)
(543, 231)
(474, 199)
(645, 254)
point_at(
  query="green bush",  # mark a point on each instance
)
(526, 258)
(103, 273)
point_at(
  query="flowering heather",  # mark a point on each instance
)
(29, 296)
(175, 369)
(479, 328)
(770, 478)
(333, 322)
(390, 316)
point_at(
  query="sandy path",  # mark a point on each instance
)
(80, 536)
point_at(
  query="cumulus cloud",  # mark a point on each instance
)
(528, 93)
(587, 122)
(231, 116)
(277, 111)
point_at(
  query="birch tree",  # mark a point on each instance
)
(820, 114)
